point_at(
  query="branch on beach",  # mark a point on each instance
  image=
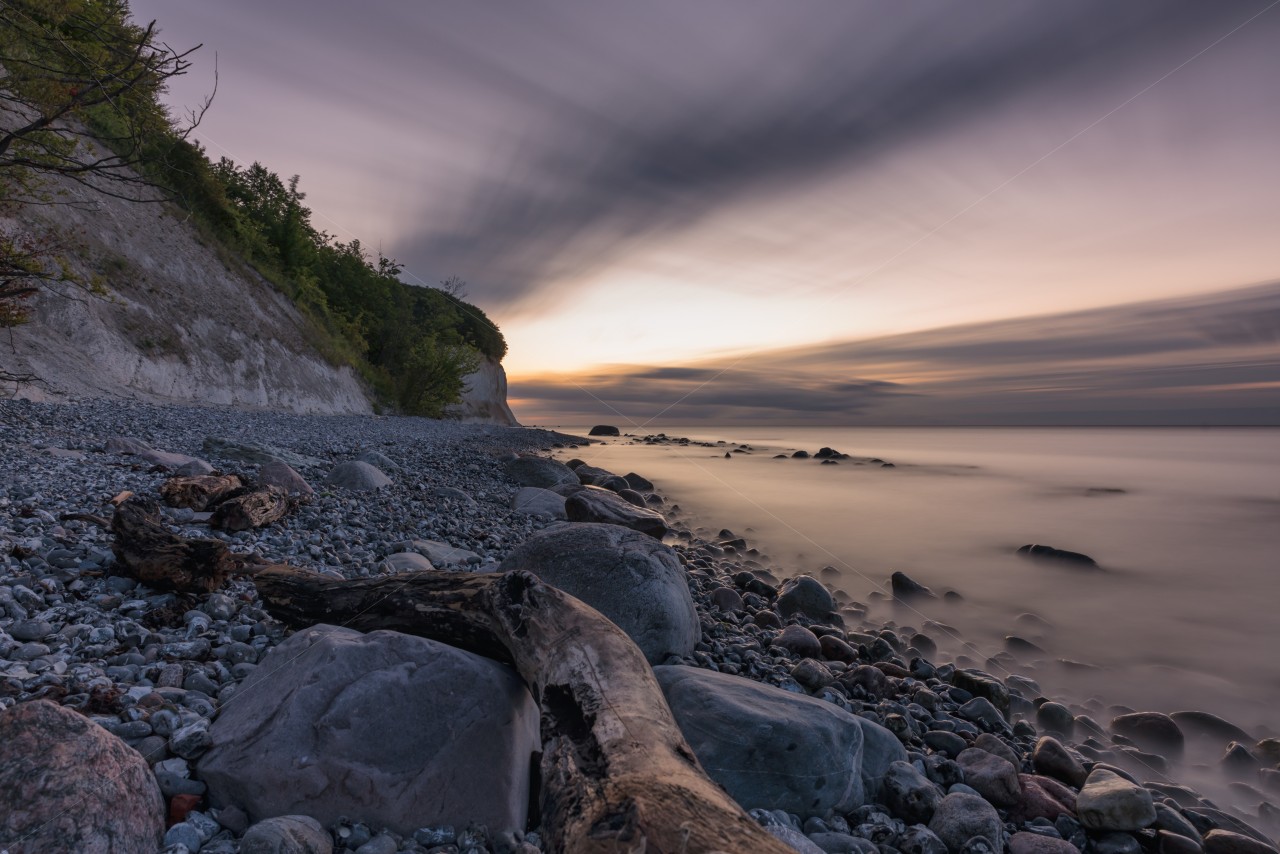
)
(149, 552)
(617, 775)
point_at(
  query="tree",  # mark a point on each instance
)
(72, 72)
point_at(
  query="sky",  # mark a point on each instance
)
(817, 212)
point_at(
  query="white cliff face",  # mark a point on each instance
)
(485, 398)
(182, 321)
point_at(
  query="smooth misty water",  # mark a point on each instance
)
(1184, 614)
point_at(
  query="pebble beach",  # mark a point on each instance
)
(837, 734)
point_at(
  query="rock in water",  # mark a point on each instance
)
(805, 595)
(400, 730)
(69, 785)
(1108, 801)
(593, 504)
(540, 471)
(1154, 731)
(1049, 553)
(773, 749)
(905, 587)
(357, 477)
(603, 430)
(631, 578)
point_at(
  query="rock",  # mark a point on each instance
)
(169, 460)
(287, 834)
(357, 477)
(1051, 758)
(1269, 750)
(30, 630)
(992, 777)
(449, 493)
(195, 468)
(396, 729)
(910, 795)
(443, 554)
(1238, 759)
(960, 817)
(834, 649)
(1153, 731)
(981, 684)
(995, 744)
(1034, 843)
(771, 748)
(799, 641)
(1209, 725)
(631, 578)
(842, 843)
(945, 742)
(1114, 843)
(183, 834)
(794, 838)
(539, 471)
(378, 460)
(603, 430)
(1041, 797)
(125, 445)
(1170, 820)
(252, 452)
(1172, 843)
(1057, 718)
(805, 595)
(593, 504)
(1049, 553)
(282, 475)
(1108, 801)
(406, 562)
(537, 501)
(904, 587)
(69, 785)
(918, 840)
(812, 675)
(638, 482)
(980, 710)
(726, 599)
(1228, 842)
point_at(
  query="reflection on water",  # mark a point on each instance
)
(1185, 525)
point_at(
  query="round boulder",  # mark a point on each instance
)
(540, 471)
(70, 785)
(399, 730)
(357, 477)
(805, 595)
(631, 578)
(537, 501)
(771, 748)
(603, 430)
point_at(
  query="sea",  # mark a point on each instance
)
(1181, 612)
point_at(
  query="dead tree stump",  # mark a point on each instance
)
(149, 552)
(200, 493)
(617, 775)
(255, 509)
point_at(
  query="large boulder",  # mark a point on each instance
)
(990, 776)
(356, 476)
(539, 471)
(399, 730)
(805, 595)
(603, 430)
(283, 475)
(960, 817)
(593, 504)
(632, 579)
(287, 834)
(66, 784)
(773, 749)
(537, 501)
(1153, 731)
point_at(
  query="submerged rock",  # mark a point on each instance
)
(603, 430)
(1049, 553)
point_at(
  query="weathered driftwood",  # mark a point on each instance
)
(617, 775)
(148, 551)
(200, 493)
(255, 509)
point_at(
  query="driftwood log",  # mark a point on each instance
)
(617, 775)
(149, 552)
(255, 509)
(200, 493)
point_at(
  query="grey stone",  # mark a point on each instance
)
(981, 684)
(920, 840)
(183, 834)
(1153, 731)
(540, 471)
(771, 748)
(1052, 759)
(909, 794)
(443, 554)
(283, 475)
(805, 595)
(995, 744)
(1228, 842)
(379, 461)
(69, 785)
(960, 817)
(195, 468)
(638, 482)
(406, 562)
(398, 730)
(537, 501)
(631, 578)
(30, 630)
(594, 504)
(253, 452)
(357, 477)
(1035, 843)
(980, 710)
(1108, 801)
(794, 838)
(287, 834)
(125, 445)
(170, 460)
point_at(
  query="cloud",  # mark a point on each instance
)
(595, 171)
(1206, 359)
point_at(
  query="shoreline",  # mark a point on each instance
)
(354, 534)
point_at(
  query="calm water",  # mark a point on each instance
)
(1184, 614)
